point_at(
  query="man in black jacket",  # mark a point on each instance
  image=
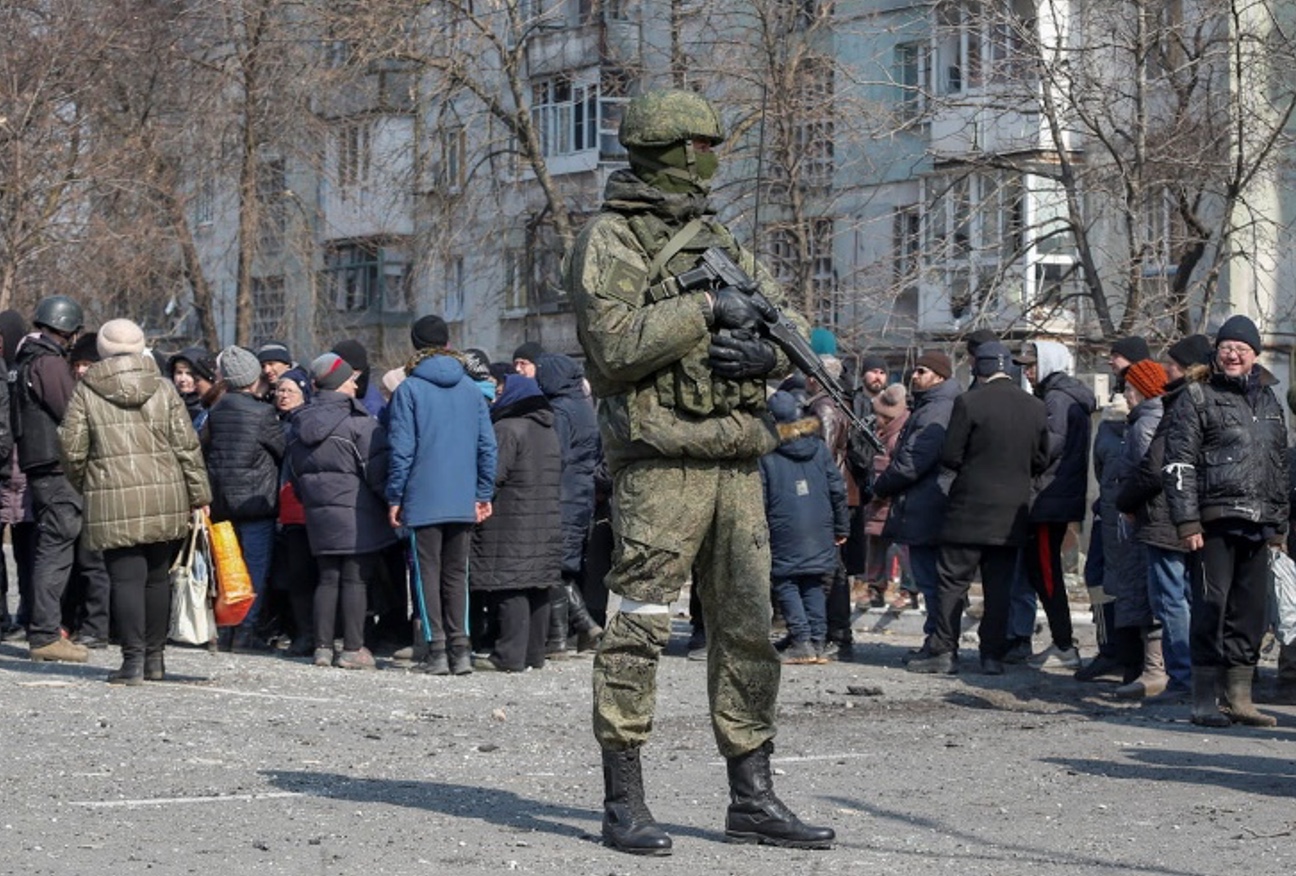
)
(1225, 482)
(996, 444)
(1060, 491)
(42, 389)
(911, 478)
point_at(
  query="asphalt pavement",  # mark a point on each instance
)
(251, 764)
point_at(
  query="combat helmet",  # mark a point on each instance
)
(59, 313)
(660, 118)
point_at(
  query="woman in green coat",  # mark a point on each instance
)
(129, 448)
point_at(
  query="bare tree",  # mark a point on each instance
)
(1107, 166)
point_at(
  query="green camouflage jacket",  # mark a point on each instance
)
(647, 347)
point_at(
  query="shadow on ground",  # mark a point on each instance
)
(493, 805)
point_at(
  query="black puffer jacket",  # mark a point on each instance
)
(1141, 495)
(1226, 453)
(1061, 490)
(561, 379)
(911, 480)
(244, 445)
(337, 460)
(520, 544)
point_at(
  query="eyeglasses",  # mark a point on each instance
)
(1239, 351)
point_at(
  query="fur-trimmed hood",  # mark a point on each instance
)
(797, 439)
(1204, 373)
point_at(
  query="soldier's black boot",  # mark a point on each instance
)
(628, 826)
(757, 816)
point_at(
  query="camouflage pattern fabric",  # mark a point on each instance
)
(663, 117)
(667, 512)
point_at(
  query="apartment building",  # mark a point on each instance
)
(910, 170)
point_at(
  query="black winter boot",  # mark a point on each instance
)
(1237, 690)
(461, 658)
(556, 640)
(1205, 705)
(132, 669)
(628, 826)
(588, 632)
(757, 816)
(154, 666)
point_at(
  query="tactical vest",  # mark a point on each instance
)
(35, 429)
(689, 385)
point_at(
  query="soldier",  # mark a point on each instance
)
(683, 421)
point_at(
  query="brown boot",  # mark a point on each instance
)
(1153, 679)
(1237, 690)
(62, 649)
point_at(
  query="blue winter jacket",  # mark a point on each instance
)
(442, 445)
(805, 502)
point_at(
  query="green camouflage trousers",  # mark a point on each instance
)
(668, 512)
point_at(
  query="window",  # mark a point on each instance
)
(614, 94)
(454, 289)
(268, 309)
(910, 77)
(514, 288)
(802, 259)
(801, 13)
(454, 146)
(906, 248)
(205, 203)
(365, 275)
(1162, 231)
(823, 273)
(271, 185)
(814, 131)
(906, 243)
(565, 115)
(355, 155)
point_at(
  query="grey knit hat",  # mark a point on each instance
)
(239, 367)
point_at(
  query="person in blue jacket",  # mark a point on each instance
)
(440, 483)
(805, 504)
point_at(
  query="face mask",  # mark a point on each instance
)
(707, 165)
(668, 168)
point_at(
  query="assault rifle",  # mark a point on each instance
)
(716, 270)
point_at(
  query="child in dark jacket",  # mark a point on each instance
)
(805, 504)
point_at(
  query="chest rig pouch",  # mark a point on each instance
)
(689, 386)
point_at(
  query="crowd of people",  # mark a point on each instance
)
(358, 499)
(448, 511)
(468, 515)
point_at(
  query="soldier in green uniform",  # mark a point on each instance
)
(680, 382)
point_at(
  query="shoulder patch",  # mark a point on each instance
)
(626, 282)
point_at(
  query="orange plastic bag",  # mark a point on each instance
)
(234, 593)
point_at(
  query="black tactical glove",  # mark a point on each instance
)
(732, 309)
(740, 356)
